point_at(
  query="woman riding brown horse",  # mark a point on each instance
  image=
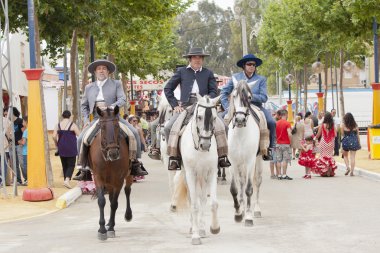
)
(109, 160)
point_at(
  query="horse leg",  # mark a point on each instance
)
(248, 211)
(257, 179)
(219, 171)
(202, 202)
(127, 190)
(224, 175)
(191, 185)
(173, 204)
(110, 195)
(215, 227)
(234, 193)
(114, 205)
(102, 232)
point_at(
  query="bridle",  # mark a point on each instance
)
(245, 114)
(108, 143)
(199, 134)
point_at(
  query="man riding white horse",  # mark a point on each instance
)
(258, 85)
(192, 79)
(104, 92)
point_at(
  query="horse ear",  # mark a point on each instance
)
(116, 110)
(215, 100)
(99, 111)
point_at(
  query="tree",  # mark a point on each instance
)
(209, 28)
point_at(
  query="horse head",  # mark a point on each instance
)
(109, 132)
(205, 117)
(240, 103)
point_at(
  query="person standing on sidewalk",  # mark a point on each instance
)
(337, 137)
(283, 151)
(17, 123)
(350, 142)
(24, 144)
(65, 139)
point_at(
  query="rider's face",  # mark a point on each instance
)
(196, 61)
(101, 72)
(250, 67)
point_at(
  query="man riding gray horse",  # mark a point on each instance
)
(193, 79)
(104, 92)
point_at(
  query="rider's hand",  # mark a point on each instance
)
(178, 109)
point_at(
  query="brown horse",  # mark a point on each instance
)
(109, 160)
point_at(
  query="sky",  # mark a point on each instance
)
(221, 3)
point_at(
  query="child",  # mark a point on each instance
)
(24, 143)
(307, 156)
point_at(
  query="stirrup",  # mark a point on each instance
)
(223, 162)
(268, 156)
(174, 163)
(137, 169)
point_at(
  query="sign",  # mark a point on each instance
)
(146, 85)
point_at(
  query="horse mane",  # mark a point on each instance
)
(244, 92)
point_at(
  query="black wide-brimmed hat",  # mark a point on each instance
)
(110, 65)
(196, 51)
(247, 58)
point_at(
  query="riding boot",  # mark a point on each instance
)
(174, 163)
(155, 154)
(82, 159)
(269, 156)
(223, 162)
(138, 169)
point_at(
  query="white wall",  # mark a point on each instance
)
(51, 107)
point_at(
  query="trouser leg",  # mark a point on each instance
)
(137, 137)
(169, 125)
(153, 134)
(271, 126)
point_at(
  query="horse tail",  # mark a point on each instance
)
(180, 190)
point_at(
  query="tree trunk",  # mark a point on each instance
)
(49, 170)
(305, 89)
(326, 80)
(73, 54)
(341, 97)
(86, 60)
(297, 89)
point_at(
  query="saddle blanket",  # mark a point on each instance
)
(94, 129)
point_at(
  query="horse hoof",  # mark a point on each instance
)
(173, 208)
(102, 237)
(215, 230)
(238, 218)
(257, 214)
(111, 234)
(196, 241)
(128, 218)
(202, 233)
(248, 223)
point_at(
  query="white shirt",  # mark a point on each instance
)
(100, 84)
(195, 88)
(336, 122)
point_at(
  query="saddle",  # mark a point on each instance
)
(94, 130)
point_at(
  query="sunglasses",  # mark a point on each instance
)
(134, 120)
(251, 64)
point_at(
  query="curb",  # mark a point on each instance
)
(69, 197)
(361, 172)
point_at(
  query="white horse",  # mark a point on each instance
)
(165, 113)
(243, 143)
(199, 162)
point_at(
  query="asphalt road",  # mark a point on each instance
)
(339, 214)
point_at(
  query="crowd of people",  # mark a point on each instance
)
(314, 142)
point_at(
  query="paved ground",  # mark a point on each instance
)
(337, 214)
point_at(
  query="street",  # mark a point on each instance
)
(339, 214)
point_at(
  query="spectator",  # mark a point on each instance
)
(17, 123)
(350, 142)
(24, 144)
(337, 137)
(307, 157)
(308, 122)
(325, 165)
(297, 135)
(272, 163)
(144, 125)
(283, 152)
(65, 138)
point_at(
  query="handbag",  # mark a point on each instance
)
(294, 130)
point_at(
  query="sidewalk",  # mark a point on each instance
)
(14, 208)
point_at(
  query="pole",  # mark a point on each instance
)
(79, 118)
(290, 94)
(132, 102)
(244, 34)
(332, 83)
(2, 159)
(376, 51)
(280, 88)
(32, 50)
(92, 54)
(319, 79)
(65, 80)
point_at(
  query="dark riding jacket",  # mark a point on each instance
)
(186, 77)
